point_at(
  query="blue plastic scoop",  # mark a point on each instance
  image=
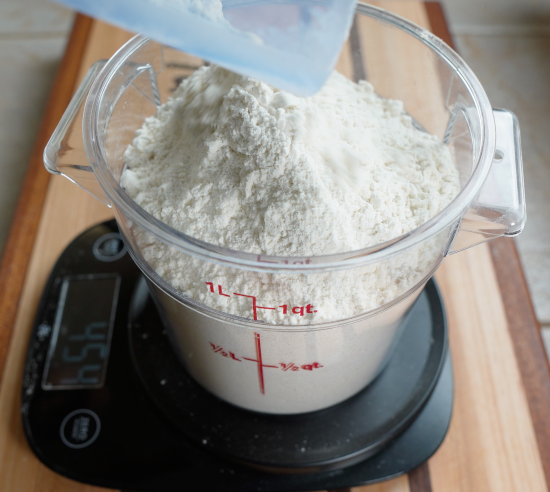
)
(292, 45)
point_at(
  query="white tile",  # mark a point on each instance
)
(515, 72)
(468, 14)
(546, 339)
(28, 70)
(18, 17)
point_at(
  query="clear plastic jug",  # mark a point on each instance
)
(298, 364)
(292, 44)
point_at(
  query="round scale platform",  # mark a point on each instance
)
(93, 414)
(327, 439)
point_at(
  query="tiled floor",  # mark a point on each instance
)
(506, 42)
(34, 18)
(32, 38)
(28, 68)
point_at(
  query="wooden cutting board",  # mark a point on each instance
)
(498, 440)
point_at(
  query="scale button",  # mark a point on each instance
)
(109, 247)
(80, 428)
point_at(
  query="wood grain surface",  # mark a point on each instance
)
(497, 440)
(29, 206)
(526, 337)
(522, 322)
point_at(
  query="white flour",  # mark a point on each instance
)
(233, 162)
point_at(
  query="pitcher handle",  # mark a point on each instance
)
(499, 209)
(64, 154)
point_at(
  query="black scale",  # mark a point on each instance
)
(106, 402)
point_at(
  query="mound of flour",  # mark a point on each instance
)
(234, 162)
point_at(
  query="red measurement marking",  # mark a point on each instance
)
(260, 365)
(285, 262)
(215, 348)
(219, 350)
(290, 366)
(255, 307)
(258, 360)
(253, 303)
(265, 261)
(300, 310)
(221, 293)
(309, 308)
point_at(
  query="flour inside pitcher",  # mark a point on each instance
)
(236, 163)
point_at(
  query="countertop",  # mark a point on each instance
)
(498, 439)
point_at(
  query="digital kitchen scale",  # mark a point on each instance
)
(105, 400)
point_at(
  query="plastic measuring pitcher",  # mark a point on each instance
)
(302, 362)
(290, 44)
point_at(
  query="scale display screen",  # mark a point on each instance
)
(81, 339)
